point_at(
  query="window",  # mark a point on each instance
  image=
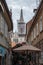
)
(6, 30)
(41, 55)
(40, 23)
(34, 32)
(15, 40)
(0, 21)
(37, 29)
(2, 24)
(32, 36)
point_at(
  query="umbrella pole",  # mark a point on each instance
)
(38, 58)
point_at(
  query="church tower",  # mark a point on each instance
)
(21, 27)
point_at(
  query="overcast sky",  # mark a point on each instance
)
(26, 5)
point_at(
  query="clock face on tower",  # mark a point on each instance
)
(21, 28)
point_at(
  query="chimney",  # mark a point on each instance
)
(35, 10)
(11, 12)
(37, 5)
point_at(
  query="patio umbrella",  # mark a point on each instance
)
(26, 47)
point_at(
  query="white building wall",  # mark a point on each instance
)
(21, 39)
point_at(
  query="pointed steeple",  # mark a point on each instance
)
(21, 15)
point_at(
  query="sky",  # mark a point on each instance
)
(16, 5)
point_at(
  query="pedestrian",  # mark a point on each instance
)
(30, 63)
(19, 62)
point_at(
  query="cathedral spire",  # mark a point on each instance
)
(21, 15)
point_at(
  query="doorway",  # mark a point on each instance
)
(0, 60)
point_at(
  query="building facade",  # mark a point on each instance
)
(5, 26)
(28, 25)
(35, 34)
(14, 37)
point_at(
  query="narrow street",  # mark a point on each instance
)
(21, 32)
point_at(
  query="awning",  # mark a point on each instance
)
(27, 47)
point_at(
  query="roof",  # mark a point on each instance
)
(7, 10)
(26, 47)
(21, 15)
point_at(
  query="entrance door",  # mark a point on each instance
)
(0, 59)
